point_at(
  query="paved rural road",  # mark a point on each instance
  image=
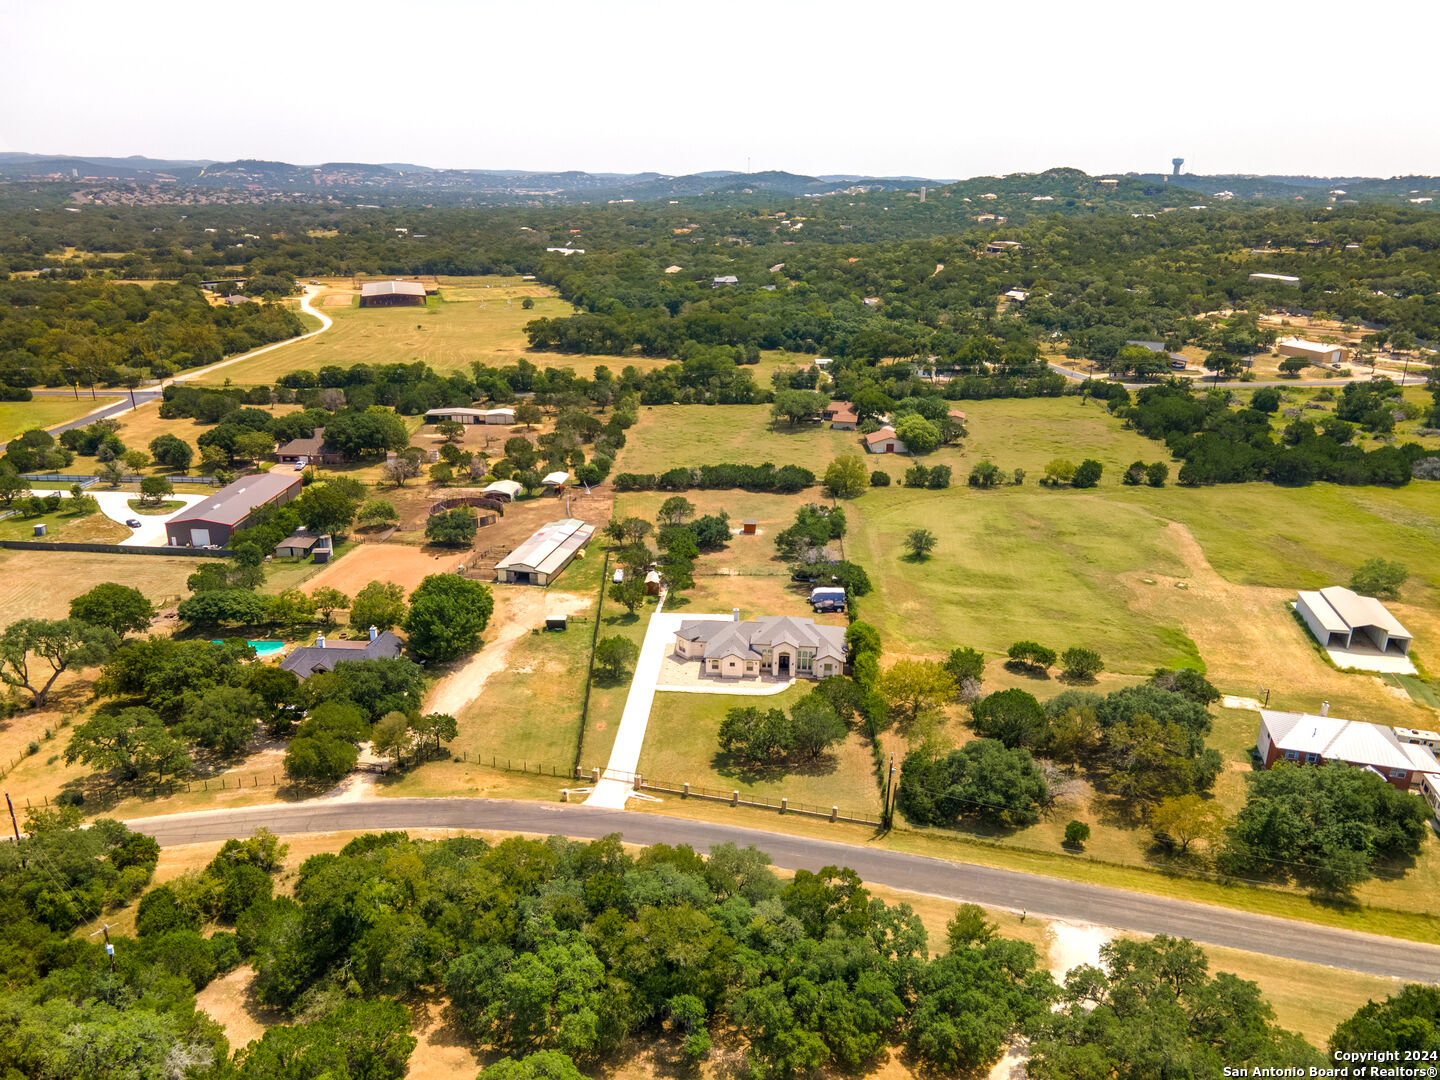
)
(1044, 897)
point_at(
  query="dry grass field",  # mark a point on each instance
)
(472, 319)
(41, 584)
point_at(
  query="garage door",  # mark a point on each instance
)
(199, 537)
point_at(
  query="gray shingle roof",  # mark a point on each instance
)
(310, 659)
(754, 637)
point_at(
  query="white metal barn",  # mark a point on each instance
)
(1341, 619)
(539, 560)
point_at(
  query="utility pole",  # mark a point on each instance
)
(109, 948)
(14, 826)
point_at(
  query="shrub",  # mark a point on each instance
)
(881, 478)
(1087, 473)
(1031, 655)
(1081, 664)
(1076, 833)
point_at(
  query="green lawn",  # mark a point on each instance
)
(66, 526)
(681, 746)
(667, 436)
(1014, 564)
(44, 412)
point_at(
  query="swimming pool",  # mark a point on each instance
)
(262, 648)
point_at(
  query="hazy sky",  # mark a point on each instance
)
(926, 88)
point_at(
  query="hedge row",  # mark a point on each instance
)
(785, 480)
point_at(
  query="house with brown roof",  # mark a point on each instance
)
(885, 441)
(842, 416)
(313, 449)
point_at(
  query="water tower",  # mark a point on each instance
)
(1176, 162)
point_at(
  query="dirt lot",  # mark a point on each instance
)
(518, 610)
(401, 563)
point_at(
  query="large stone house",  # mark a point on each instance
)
(773, 645)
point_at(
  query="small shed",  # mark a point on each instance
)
(652, 583)
(556, 622)
(557, 480)
(749, 527)
(507, 489)
(295, 547)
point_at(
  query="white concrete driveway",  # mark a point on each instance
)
(116, 506)
(615, 784)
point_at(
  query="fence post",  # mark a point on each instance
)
(834, 812)
(564, 794)
(685, 793)
(595, 775)
(784, 802)
(734, 796)
(639, 782)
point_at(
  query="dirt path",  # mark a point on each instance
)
(518, 610)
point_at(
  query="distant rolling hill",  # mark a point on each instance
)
(399, 180)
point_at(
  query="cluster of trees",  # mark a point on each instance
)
(1154, 474)
(680, 534)
(168, 698)
(1077, 663)
(1219, 444)
(936, 476)
(763, 737)
(986, 474)
(574, 948)
(14, 496)
(555, 953)
(1146, 743)
(34, 653)
(58, 333)
(1329, 827)
(1061, 472)
(70, 1010)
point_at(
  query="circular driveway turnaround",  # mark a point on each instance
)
(1041, 896)
(116, 506)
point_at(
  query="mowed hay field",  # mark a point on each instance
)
(41, 584)
(471, 319)
(17, 417)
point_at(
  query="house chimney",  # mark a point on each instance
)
(374, 633)
(320, 640)
(1324, 708)
(735, 614)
